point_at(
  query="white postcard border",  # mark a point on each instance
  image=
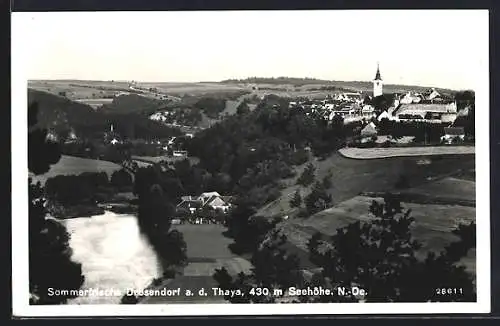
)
(22, 51)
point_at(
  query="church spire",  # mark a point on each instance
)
(377, 75)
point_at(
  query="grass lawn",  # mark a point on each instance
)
(376, 153)
(351, 177)
(432, 226)
(206, 250)
(205, 241)
(453, 188)
(69, 165)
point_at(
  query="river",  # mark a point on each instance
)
(113, 253)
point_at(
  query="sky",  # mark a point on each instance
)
(429, 48)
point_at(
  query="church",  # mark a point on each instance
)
(377, 83)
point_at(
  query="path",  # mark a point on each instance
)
(377, 153)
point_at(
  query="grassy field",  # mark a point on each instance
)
(69, 165)
(78, 89)
(95, 102)
(81, 89)
(433, 223)
(377, 153)
(351, 177)
(206, 250)
(459, 189)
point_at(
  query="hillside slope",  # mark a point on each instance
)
(432, 227)
(58, 112)
(62, 114)
(351, 177)
(70, 165)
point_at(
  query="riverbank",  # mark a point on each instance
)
(119, 203)
(378, 153)
(64, 212)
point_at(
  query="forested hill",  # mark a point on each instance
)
(61, 115)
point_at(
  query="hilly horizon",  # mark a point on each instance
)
(304, 81)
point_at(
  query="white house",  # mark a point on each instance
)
(410, 98)
(367, 109)
(180, 153)
(207, 199)
(385, 115)
(434, 94)
(369, 130)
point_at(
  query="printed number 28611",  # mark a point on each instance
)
(449, 291)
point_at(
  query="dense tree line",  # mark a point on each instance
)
(157, 190)
(380, 256)
(133, 103)
(270, 132)
(62, 114)
(211, 106)
(86, 187)
(50, 264)
(278, 80)
(252, 152)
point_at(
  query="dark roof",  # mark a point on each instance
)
(190, 204)
(455, 131)
(227, 199)
(377, 75)
(414, 108)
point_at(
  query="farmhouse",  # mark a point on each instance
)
(211, 199)
(190, 204)
(426, 111)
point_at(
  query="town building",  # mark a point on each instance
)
(453, 134)
(112, 137)
(439, 113)
(212, 200)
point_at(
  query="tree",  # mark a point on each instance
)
(50, 264)
(318, 199)
(155, 214)
(121, 179)
(273, 268)
(296, 201)
(327, 181)
(380, 256)
(243, 108)
(307, 176)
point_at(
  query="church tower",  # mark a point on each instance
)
(377, 83)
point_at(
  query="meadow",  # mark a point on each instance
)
(432, 227)
(69, 165)
(351, 177)
(207, 249)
